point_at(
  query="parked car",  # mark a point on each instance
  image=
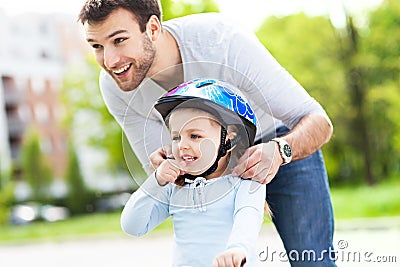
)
(29, 212)
(111, 203)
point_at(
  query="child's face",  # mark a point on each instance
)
(196, 137)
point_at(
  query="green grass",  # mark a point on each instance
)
(367, 201)
(358, 202)
(76, 226)
(86, 225)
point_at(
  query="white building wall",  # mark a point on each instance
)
(5, 154)
(29, 51)
(36, 48)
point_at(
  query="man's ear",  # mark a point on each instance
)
(153, 28)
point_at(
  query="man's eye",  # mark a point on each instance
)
(119, 40)
(97, 46)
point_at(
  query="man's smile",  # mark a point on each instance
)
(122, 70)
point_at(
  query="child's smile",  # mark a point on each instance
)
(188, 158)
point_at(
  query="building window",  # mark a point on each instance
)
(44, 55)
(42, 113)
(24, 113)
(46, 146)
(38, 85)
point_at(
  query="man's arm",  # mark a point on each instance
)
(274, 91)
(261, 162)
(310, 134)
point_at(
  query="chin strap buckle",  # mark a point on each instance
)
(198, 185)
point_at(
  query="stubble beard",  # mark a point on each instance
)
(139, 68)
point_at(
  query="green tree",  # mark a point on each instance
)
(2, 178)
(380, 51)
(354, 74)
(6, 195)
(79, 198)
(82, 97)
(308, 47)
(369, 57)
(356, 134)
(6, 201)
(173, 9)
(35, 168)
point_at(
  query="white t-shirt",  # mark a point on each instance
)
(211, 46)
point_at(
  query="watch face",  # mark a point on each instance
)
(287, 150)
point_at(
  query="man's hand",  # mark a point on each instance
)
(230, 258)
(259, 163)
(160, 155)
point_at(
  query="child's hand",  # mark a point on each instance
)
(230, 258)
(167, 172)
(158, 156)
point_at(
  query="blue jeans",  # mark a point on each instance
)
(302, 210)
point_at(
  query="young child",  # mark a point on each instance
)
(216, 216)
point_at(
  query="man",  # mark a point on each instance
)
(142, 58)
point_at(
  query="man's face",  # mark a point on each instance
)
(121, 49)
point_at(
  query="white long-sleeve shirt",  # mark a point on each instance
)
(212, 47)
(209, 217)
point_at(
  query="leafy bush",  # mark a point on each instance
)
(35, 168)
(80, 198)
(6, 201)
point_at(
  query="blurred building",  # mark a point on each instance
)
(34, 53)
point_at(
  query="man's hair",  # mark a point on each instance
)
(95, 11)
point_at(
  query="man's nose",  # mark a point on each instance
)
(111, 58)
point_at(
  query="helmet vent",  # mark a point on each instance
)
(205, 83)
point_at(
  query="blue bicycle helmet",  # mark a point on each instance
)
(218, 98)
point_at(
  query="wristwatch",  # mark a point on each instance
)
(284, 149)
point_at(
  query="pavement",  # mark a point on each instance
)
(366, 243)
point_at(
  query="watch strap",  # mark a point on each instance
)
(284, 149)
